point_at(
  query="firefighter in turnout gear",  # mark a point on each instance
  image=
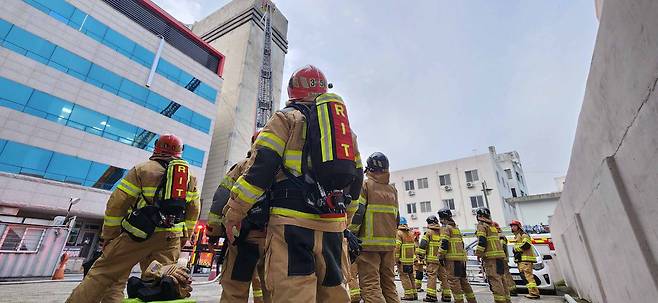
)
(490, 251)
(246, 256)
(151, 212)
(524, 256)
(507, 277)
(306, 255)
(418, 264)
(452, 249)
(429, 250)
(375, 221)
(404, 254)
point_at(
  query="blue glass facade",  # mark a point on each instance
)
(37, 103)
(24, 159)
(25, 43)
(88, 25)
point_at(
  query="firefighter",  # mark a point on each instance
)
(163, 215)
(376, 222)
(353, 284)
(306, 255)
(507, 277)
(429, 250)
(452, 249)
(404, 254)
(490, 252)
(418, 264)
(524, 256)
(243, 264)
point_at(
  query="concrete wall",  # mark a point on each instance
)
(236, 31)
(535, 209)
(605, 223)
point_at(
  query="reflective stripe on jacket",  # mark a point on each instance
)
(379, 229)
(221, 196)
(405, 247)
(138, 188)
(523, 244)
(455, 251)
(488, 236)
(430, 244)
(280, 143)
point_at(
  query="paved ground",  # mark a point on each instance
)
(208, 293)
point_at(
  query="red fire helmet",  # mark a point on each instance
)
(515, 222)
(307, 83)
(169, 144)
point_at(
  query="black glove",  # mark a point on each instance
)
(517, 256)
(353, 245)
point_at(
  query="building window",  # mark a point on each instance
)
(411, 208)
(42, 50)
(39, 104)
(409, 185)
(472, 175)
(425, 207)
(508, 172)
(422, 183)
(518, 176)
(477, 201)
(444, 180)
(449, 203)
(514, 192)
(23, 239)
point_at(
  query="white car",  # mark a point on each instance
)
(541, 272)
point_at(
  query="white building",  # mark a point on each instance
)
(535, 209)
(460, 185)
(77, 109)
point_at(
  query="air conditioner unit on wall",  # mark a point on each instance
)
(447, 187)
(414, 216)
(469, 184)
(411, 193)
(473, 210)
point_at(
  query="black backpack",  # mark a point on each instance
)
(328, 142)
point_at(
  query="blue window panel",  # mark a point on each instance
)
(207, 92)
(106, 78)
(31, 158)
(94, 121)
(125, 132)
(50, 105)
(30, 42)
(69, 166)
(184, 78)
(2, 145)
(169, 70)
(201, 123)
(14, 92)
(71, 61)
(120, 42)
(9, 168)
(193, 155)
(12, 105)
(76, 20)
(94, 29)
(183, 115)
(96, 170)
(4, 28)
(38, 5)
(134, 92)
(156, 102)
(61, 7)
(143, 56)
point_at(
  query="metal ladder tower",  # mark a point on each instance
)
(265, 101)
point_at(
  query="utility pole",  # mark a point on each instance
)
(486, 191)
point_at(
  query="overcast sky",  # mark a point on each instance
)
(435, 80)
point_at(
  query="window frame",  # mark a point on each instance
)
(469, 174)
(427, 208)
(447, 203)
(409, 185)
(424, 182)
(38, 243)
(443, 178)
(411, 208)
(479, 201)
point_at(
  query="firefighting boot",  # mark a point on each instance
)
(430, 298)
(405, 298)
(532, 296)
